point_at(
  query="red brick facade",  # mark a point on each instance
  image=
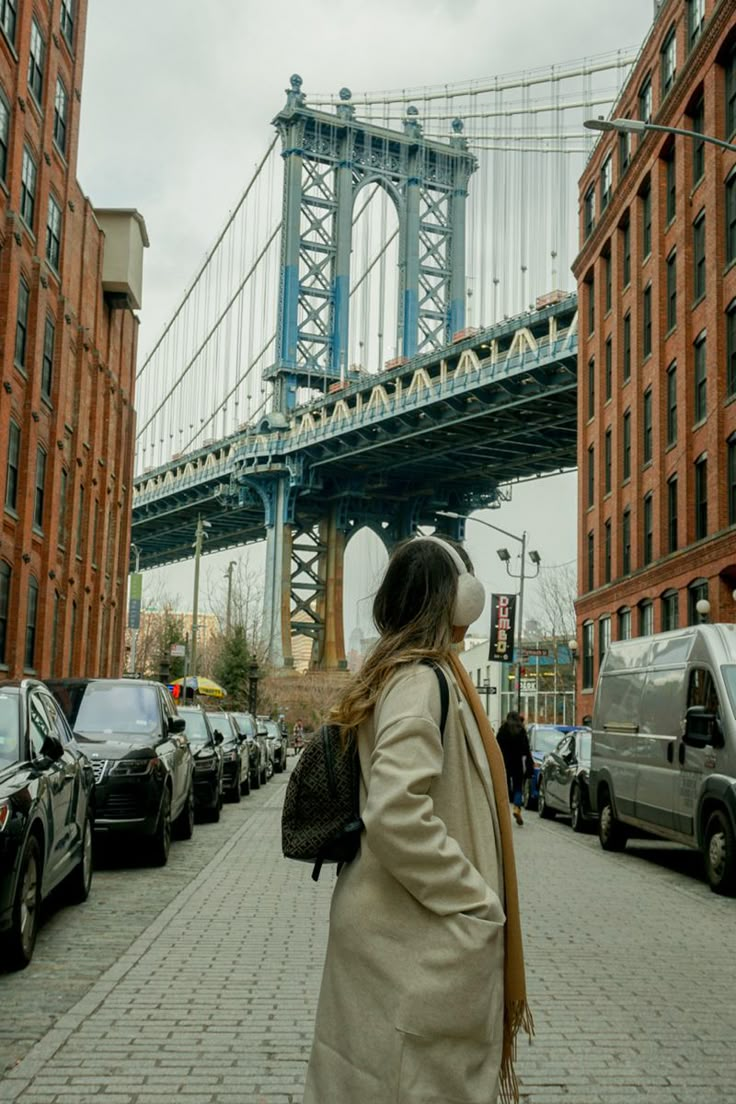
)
(689, 547)
(83, 423)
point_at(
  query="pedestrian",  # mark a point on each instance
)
(517, 756)
(423, 989)
(298, 735)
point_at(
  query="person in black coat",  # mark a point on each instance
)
(514, 744)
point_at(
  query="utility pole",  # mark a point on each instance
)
(198, 539)
(134, 631)
(520, 627)
(229, 578)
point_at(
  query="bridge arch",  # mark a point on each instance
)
(374, 317)
(366, 556)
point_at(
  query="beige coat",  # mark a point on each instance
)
(411, 1004)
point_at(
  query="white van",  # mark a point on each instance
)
(664, 744)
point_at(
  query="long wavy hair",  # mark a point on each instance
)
(412, 611)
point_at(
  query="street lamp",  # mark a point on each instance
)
(505, 557)
(572, 646)
(702, 608)
(253, 676)
(638, 126)
(199, 537)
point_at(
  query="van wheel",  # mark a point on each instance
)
(612, 833)
(542, 807)
(720, 854)
(577, 820)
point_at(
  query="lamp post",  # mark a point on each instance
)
(504, 556)
(229, 577)
(638, 126)
(253, 676)
(572, 646)
(199, 537)
(134, 631)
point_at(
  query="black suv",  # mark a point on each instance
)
(257, 751)
(46, 808)
(142, 762)
(208, 760)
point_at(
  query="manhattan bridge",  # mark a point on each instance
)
(382, 331)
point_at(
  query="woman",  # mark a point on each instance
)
(423, 987)
(514, 744)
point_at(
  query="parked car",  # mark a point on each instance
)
(257, 749)
(244, 748)
(664, 744)
(208, 761)
(543, 738)
(142, 762)
(46, 814)
(279, 742)
(564, 780)
(232, 755)
(262, 735)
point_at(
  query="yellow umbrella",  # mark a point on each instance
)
(202, 685)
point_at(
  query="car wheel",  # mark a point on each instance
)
(235, 793)
(21, 938)
(161, 842)
(720, 854)
(611, 832)
(269, 770)
(542, 807)
(184, 826)
(264, 776)
(245, 785)
(79, 881)
(255, 780)
(577, 819)
(530, 802)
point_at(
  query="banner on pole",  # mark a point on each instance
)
(503, 617)
(134, 601)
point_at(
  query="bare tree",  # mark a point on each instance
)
(246, 607)
(554, 607)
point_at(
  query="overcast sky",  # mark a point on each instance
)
(176, 107)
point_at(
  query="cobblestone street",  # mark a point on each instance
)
(199, 981)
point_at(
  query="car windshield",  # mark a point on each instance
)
(544, 738)
(9, 729)
(127, 710)
(729, 677)
(273, 730)
(219, 723)
(196, 726)
(245, 724)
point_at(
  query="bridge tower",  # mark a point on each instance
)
(328, 158)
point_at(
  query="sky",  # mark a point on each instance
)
(177, 101)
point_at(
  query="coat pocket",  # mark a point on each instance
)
(455, 989)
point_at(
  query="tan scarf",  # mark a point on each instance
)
(517, 1014)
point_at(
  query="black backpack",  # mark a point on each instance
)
(320, 822)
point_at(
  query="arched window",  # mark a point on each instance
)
(670, 610)
(624, 623)
(697, 590)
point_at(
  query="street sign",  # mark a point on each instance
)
(528, 652)
(178, 650)
(528, 686)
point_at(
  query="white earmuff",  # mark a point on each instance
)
(471, 594)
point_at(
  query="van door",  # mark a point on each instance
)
(659, 729)
(693, 764)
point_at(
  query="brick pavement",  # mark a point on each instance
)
(630, 961)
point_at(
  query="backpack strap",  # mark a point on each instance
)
(444, 694)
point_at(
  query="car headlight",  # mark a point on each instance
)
(130, 767)
(231, 756)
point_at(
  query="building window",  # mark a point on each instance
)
(53, 234)
(695, 20)
(626, 242)
(47, 363)
(606, 181)
(61, 109)
(607, 285)
(4, 608)
(55, 633)
(626, 366)
(607, 552)
(36, 62)
(28, 188)
(732, 480)
(731, 218)
(591, 387)
(95, 531)
(588, 655)
(624, 152)
(40, 486)
(701, 498)
(626, 448)
(624, 624)
(67, 20)
(697, 125)
(11, 479)
(731, 348)
(700, 406)
(672, 403)
(647, 434)
(604, 637)
(670, 186)
(648, 529)
(591, 561)
(730, 74)
(589, 211)
(21, 323)
(672, 290)
(8, 18)
(646, 618)
(696, 592)
(646, 220)
(609, 368)
(63, 488)
(668, 62)
(31, 615)
(590, 289)
(645, 101)
(72, 638)
(699, 256)
(670, 614)
(672, 514)
(591, 475)
(80, 522)
(626, 543)
(4, 135)
(646, 323)
(607, 461)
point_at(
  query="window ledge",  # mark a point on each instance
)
(4, 38)
(59, 152)
(46, 400)
(670, 446)
(20, 369)
(37, 532)
(671, 330)
(696, 185)
(700, 423)
(729, 399)
(11, 513)
(696, 302)
(729, 265)
(647, 464)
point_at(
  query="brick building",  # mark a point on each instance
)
(656, 277)
(69, 280)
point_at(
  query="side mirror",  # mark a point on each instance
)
(702, 728)
(218, 737)
(176, 724)
(52, 748)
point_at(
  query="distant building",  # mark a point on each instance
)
(657, 345)
(547, 681)
(70, 280)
